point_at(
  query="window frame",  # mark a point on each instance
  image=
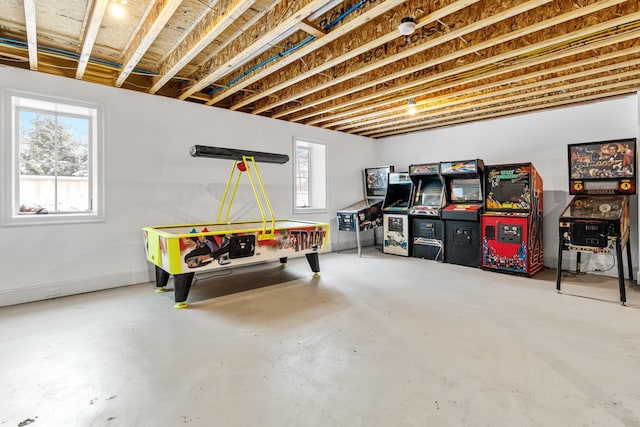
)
(10, 151)
(317, 181)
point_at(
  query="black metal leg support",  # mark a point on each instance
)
(629, 261)
(314, 262)
(623, 295)
(162, 277)
(559, 270)
(182, 284)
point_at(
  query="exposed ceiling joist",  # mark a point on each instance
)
(91, 31)
(246, 45)
(339, 66)
(155, 21)
(32, 39)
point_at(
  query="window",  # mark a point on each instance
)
(52, 160)
(310, 176)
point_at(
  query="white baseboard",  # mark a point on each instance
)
(60, 289)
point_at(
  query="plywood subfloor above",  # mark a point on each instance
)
(339, 65)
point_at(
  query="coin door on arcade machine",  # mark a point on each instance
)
(395, 211)
(602, 176)
(367, 213)
(512, 221)
(427, 227)
(464, 182)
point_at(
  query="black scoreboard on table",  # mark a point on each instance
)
(601, 176)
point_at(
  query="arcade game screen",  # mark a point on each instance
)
(509, 191)
(377, 180)
(398, 197)
(429, 195)
(466, 190)
(597, 160)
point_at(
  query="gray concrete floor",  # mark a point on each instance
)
(379, 340)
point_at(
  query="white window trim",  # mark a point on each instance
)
(8, 215)
(296, 209)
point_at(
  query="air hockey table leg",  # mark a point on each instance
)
(314, 263)
(162, 278)
(181, 285)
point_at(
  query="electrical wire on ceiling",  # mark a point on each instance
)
(215, 89)
(66, 54)
(74, 56)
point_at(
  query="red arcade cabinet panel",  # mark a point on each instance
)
(512, 222)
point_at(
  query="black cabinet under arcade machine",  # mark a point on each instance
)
(464, 182)
(395, 210)
(512, 221)
(602, 176)
(427, 226)
(367, 213)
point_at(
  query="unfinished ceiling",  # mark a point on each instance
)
(339, 65)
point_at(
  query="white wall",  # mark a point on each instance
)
(540, 138)
(152, 180)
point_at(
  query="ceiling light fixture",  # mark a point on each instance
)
(412, 106)
(407, 26)
(117, 8)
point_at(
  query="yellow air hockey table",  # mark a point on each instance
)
(183, 250)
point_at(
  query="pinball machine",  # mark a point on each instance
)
(395, 212)
(464, 182)
(512, 221)
(367, 213)
(602, 176)
(427, 227)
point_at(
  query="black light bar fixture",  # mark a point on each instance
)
(235, 154)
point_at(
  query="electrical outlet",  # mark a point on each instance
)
(52, 292)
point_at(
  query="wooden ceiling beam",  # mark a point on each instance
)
(536, 107)
(347, 115)
(477, 98)
(317, 65)
(318, 84)
(32, 39)
(333, 35)
(311, 28)
(509, 55)
(438, 54)
(154, 22)
(542, 99)
(284, 16)
(205, 32)
(239, 30)
(549, 68)
(91, 31)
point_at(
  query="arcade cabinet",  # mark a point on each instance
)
(602, 176)
(427, 227)
(464, 182)
(512, 221)
(395, 211)
(365, 214)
